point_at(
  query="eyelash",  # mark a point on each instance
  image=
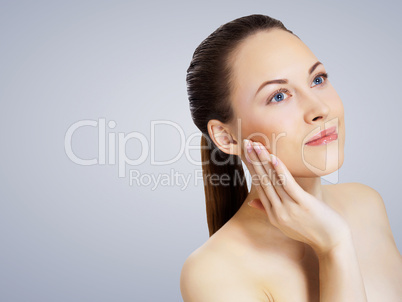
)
(322, 74)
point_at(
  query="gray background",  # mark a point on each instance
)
(81, 233)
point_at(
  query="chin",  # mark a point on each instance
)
(323, 160)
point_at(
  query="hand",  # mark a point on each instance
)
(298, 214)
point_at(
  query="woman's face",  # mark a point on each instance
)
(285, 120)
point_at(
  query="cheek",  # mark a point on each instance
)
(337, 111)
(272, 131)
(336, 102)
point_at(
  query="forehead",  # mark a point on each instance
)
(269, 55)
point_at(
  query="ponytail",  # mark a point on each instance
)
(209, 88)
(224, 185)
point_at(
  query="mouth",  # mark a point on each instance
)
(323, 137)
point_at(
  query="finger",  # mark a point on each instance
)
(261, 193)
(269, 210)
(263, 178)
(265, 205)
(287, 181)
(265, 158)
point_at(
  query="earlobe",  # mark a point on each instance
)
(221, 136)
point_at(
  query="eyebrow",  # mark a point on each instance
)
(285, 81)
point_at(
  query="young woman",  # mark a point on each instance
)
(258, 94)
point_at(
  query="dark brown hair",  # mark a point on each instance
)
(208, 88)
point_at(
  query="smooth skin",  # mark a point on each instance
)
(303, 217)
(299, 240)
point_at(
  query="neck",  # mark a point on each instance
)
(257, 221)
(311, 185)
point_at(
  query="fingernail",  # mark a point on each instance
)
(257, 148)
(274, 160)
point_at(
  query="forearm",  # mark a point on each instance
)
(340, 277)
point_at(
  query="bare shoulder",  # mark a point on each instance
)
(364, 207)
(379, 257)
(208, 275)
(354, 189)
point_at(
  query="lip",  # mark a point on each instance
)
(318, 139)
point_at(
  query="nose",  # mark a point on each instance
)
(316, 110)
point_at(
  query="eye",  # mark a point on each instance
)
(317, 80)
(277, 96)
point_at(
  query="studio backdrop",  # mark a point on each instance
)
(101, 193)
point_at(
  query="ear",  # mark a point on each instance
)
(220, 133)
